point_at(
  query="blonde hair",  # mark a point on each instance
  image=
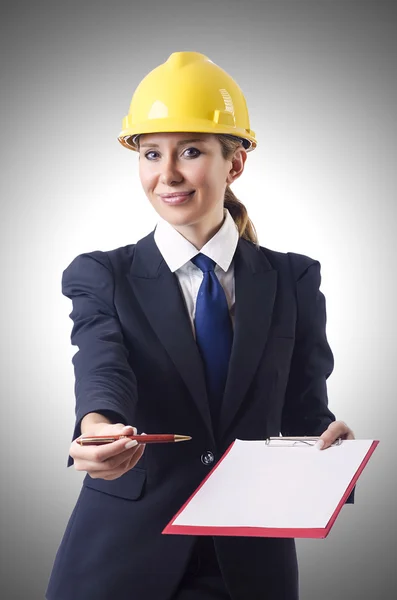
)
(236, 208)
(239, 214)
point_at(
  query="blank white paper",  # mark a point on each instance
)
(275, 486)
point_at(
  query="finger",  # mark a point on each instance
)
(325, 441)
(106, 429)
(113, 463)
(130, 443)
(110, 464)
(109, 430)
(133, 460)
(108, 475)
(92, 458)
(97, 453)
(129, 430)
(119, 470)
(341, 430)
(337, 429)
(124, 457)
(116, 429)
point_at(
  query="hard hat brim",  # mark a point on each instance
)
(128, 134)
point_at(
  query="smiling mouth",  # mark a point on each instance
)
(176, 197)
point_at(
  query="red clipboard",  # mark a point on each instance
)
(252, 531)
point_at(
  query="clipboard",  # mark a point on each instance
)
(279, 487)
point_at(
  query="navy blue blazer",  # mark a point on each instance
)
(138, 363)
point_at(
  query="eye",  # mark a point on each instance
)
(149, 155)
(191, 152)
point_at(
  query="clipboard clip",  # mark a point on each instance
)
(306, 440)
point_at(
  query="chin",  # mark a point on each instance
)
(179, 215)
(180, 220)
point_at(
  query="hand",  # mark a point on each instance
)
(109, 461)
(337, 429)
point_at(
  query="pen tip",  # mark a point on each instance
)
(182, 438)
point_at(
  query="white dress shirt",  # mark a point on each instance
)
(177, 252)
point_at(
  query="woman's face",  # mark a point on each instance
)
(184, 176)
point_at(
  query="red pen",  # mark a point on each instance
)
(159, 438)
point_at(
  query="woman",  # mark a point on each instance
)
(198, 330)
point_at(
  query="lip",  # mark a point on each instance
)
(176, 197)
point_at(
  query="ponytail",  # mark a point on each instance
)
(236, 208)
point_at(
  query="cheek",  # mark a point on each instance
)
(203, 177)
(146, 179)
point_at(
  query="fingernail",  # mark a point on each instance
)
(130, 444)
(134, 429)
(318, 445)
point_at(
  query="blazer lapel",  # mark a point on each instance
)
(255, 290)
(161, 299)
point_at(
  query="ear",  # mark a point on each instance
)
(237, 165)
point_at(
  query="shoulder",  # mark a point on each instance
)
(103, 259)
(297, 264)
(116, 259)
(96, 272)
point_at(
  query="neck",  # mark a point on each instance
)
(200, 233)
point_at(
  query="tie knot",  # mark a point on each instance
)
(204, 263)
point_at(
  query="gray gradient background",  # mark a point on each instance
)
(320, 81)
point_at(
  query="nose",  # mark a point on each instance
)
(170, 175)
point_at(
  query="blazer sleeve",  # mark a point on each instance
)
(306, 409)
(104, 380)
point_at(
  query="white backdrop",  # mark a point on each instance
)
(320, 81)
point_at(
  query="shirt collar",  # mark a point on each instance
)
(177, 250)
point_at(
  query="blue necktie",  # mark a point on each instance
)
(214, 332)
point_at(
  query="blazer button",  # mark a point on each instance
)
(207, 458)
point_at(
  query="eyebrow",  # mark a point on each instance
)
(148, 145)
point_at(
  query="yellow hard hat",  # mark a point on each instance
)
(187, 93)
